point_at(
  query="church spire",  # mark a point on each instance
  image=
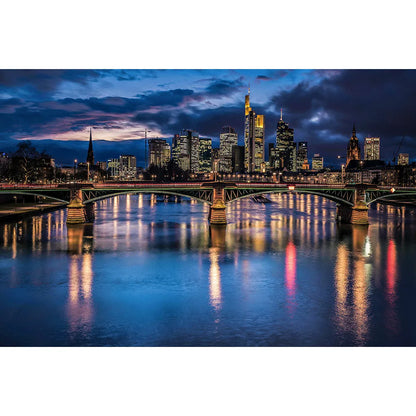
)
(281, 113)
(353, 130)
(90, 154)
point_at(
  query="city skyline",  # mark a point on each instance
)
(56, 108)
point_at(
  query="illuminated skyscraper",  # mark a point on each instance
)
(259, 144)
(372, 148)
(228, 139)
(159, 152)
(205, 155)
(302, 155)
(253, 138)
(185, 150)
(286, 147)
(353, 150)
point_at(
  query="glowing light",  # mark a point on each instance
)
(391, 269)
(341, 286)
(291, 188)
(214, 279)
(290, 269)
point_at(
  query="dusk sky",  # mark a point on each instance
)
(55, 108)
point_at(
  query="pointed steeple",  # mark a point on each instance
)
(90, 154)
(353, 130)
(281, 113)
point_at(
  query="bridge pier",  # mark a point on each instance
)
(217, 215)
(357, 214)
(76, 213)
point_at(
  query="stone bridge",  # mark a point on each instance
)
(352, 200)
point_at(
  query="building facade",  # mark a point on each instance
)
(228, 139)
(317, 162)
(238, 159)
(185, 150)
(253, 138)
(302, 155)
(403, 159)
(285, 146)
(205, 155)
(113, 168)
(128, 167)
(159, 153)
(372, 148)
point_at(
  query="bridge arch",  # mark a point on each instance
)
(333, 198)
(34, 193)
(136, 192)
(388, 196)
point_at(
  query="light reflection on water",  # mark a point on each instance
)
(151, 272)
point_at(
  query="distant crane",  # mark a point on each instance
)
(398, 150)
(145, 131)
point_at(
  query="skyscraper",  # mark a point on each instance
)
(159, 152)
(228, 139)
(238, 159)
(185, 150)
(372, 148)
(286, 148)
(253, 138)
(353, 149)
(205, 155)
(302, 155)
(259, 143)
(90, 154)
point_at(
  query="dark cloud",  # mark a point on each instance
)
(223, 87)
(380, 102)
(263, 78)
(320, 110)
(163, 98)
(33, 83)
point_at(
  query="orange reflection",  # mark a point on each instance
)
(360, 300)
(290, 271)
(391, 280)
(360, 284)
(391, 269)
(215, 279)
(80, 309)
(341, 287)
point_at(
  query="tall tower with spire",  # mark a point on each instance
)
(90, 154)
(353, 149)
(285, 146)
(253, 138)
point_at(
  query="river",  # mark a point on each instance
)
(153, 273)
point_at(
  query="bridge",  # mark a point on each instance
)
(352, 200)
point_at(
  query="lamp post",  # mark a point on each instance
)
(361, 168)
(343, 166)
(75, 164)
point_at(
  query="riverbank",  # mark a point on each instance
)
(12, 212)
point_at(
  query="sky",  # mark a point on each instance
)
(56, 108)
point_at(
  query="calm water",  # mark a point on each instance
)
(153, 273)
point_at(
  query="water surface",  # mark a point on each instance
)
(150, 273)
